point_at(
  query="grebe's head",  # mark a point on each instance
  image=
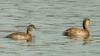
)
(86, 23)
(30, 28)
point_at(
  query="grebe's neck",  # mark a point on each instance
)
(29, 31)
(86, 24)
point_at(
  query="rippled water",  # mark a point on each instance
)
(51, 17)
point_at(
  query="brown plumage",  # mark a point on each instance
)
(77, 33)
(22, 35)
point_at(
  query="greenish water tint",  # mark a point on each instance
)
(51, 17)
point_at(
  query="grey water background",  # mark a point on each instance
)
(51, 17)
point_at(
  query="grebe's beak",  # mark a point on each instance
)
(35, 28)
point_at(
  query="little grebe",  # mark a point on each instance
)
(23, 35)
(76, 33)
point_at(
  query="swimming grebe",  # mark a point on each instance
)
(75, 33)
(23, 35)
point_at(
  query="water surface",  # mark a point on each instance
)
(51, 17)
